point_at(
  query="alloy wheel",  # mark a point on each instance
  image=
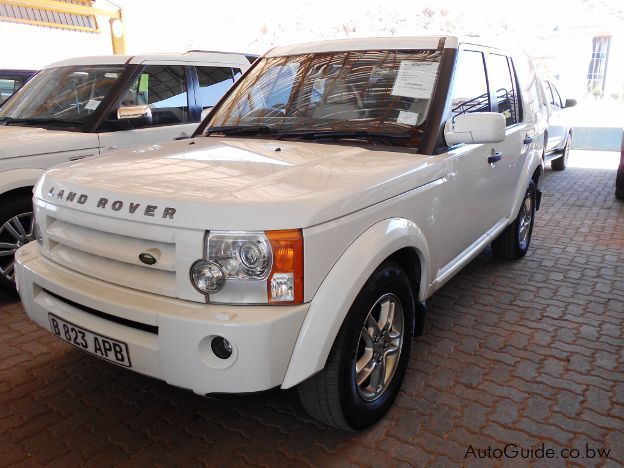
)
(379, 347)
(15, 232)
(526, 215)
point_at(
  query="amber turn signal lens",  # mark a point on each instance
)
(285, 282)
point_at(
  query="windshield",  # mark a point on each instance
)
(353, 92)
(63, 94)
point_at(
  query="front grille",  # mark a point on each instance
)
(103, 315)
(112, 257)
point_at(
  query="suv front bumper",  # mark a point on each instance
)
(167, 338)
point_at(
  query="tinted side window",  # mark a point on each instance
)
(237, 73)
(503, 87)
(213, 83)
(8, 86)
(163, 89)
(470, 91)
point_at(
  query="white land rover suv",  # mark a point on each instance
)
(294, 239)
(92, 105)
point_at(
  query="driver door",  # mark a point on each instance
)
(162, 87)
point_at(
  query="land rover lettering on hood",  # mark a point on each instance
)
(293, 241)
(114, 205)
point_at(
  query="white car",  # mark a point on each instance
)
(92, 105)
(294, 239)
(559, 136)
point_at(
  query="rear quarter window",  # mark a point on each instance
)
(530, 86)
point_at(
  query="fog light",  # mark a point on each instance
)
(207, 277)
(221, 347)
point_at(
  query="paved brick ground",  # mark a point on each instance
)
(522, 353)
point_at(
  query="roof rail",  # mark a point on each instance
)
(220, 52)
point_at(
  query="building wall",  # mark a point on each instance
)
(33, 47)
(566, 56)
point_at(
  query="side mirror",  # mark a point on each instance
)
(138, 114)
(205, 112)
(570, 103)
(477, 127)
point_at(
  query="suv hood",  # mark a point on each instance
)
(237, 183)
(17, 140)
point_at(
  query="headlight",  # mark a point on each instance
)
(241, 255)
(207, 277)
(251, 267)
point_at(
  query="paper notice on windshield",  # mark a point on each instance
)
(415, 79)
(92, 104)
(407, 118)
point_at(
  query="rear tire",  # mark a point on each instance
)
(513, 242)
(350, 399)
(561, 162)
(16, 229)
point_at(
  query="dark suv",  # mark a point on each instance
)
(11, 81)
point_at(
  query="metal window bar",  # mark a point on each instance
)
(597, 71)
(76, 17)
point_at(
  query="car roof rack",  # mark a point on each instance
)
(220, 52)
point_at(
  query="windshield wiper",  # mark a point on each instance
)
(341, 134)
(239, 129)
(11, 120)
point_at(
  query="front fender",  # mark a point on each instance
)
(340, 287)
(19, 178)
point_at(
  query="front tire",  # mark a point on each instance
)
(16, 229)
(367, 363)
(561, 162)
(513, 242)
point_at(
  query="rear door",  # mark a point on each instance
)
(165, 89)
(513, 151)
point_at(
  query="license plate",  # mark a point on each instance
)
(101, 346)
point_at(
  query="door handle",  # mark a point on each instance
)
(495, 157)
(77, 158)
(527, 140)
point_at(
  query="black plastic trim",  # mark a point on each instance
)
(103, 315)
(192, 85)
(421, 316)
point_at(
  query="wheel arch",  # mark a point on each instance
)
(533, 169)
(18, 179)
(395, 239)
(20, 191)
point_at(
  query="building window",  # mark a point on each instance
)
(598, 66)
